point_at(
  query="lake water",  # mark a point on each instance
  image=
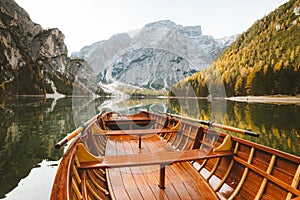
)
(31, 126)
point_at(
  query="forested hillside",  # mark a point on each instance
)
(264, 60)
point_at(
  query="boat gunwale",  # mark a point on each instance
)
(67, 160)
(270, 150)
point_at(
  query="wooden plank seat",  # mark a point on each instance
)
(140, 133)
(126, 120)
(156, 158)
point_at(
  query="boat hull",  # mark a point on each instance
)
(153, 156)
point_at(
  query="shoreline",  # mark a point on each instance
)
(266, 99)
(280, 99)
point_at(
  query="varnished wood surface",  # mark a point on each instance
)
(154, 158)
(127, 119)
(62, 182)
(138, 132)
(252, 171)
(141, 182)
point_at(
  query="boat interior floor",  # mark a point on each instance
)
(182, 181)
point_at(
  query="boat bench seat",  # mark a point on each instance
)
(157, 158)
(137, 132)
(127, 120)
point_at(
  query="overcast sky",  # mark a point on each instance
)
(87, 21)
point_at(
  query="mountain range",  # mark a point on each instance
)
(155, 57)
(34, 61)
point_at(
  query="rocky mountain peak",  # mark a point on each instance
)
(32, 59)
(192, 31)
(166, 51)
(163, 24)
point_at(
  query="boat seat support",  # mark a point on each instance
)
(225, 146)
(162, 176)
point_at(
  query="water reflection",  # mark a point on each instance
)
(29, 130)
(37, 184)
(31, 126)
(83, 108)
(278, 125)
(135, 105)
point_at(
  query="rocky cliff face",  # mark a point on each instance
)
(159, 55)
(32, 58)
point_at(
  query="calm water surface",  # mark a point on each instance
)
(31, 126)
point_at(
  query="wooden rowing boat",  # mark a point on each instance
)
(166, 156)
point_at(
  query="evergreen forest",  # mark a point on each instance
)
(264, 60)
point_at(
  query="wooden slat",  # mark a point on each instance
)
(181, 175)
(141, 183)
(224, 178)
(84, 186)
(153, 144)
(295, 182)
(156, 158)
(133, 189)
(76, 189)
(98, 175)
(181, 136)
(187, 139)
(127, 120)
(133, 181)
(169, 137)
(134, 193)
(291, 158)
(97, 183)
(213, 169)
(275, 180)
(183, 194)
(115, 176)
(206, 192)
(162, 194)
(76, 175)
(192, 189)
(243, 178)
(138, 132)
(121, 194)
(264, 182)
